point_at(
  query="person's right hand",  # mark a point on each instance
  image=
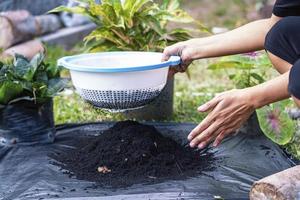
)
(187, 52)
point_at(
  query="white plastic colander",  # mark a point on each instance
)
(119, 81)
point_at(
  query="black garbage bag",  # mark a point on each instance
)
(27, 123)
(27, 173)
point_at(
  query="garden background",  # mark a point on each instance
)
(192, 89)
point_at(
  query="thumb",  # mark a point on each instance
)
(165, 57)
(209, 105)
(166, 54)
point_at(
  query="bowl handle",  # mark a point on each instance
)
(174, 61)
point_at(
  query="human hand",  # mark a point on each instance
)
(227, 112)
(186, 50)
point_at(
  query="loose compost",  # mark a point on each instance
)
(129, 153)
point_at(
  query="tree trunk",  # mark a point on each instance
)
(284, 185)
(18, 26)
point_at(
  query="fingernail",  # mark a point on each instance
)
(189, 138)
(202, 108)
(200, 146)
(215, 144)
(192, 144)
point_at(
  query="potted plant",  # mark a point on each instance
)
(26, 91)
(136, 25)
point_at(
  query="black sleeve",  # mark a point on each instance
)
(294, 83)
(284, 8)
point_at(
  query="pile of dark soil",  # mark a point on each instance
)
(130, 153)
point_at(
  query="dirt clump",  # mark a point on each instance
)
(130, 153)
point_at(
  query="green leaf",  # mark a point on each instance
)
(8, 91)
(56, 85)
(3, 73)
(21, 65)
(229, 65)
(105, 34)
(179, 34)
(34, 64)
(154, 24)
(43, 76)
(75, 10)
(171, 5)
(27, 85)
(276, 123)
(51, 70)
(259, 78)
(180, 16)
(232, 76)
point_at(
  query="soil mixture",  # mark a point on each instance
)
(131, 153)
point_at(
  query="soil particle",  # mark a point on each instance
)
(131, 153)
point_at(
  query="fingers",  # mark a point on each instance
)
(210, 104)
(221, 136)
(205, 139)
(208, 121)
(177, 49)
(201, 127)
(202, 139)
(170, 51)
(166, 55)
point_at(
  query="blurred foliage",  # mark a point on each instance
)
(134, 24)
(69, 107)
(244, 70)
(293, 146)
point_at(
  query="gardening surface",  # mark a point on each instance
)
(27, 173)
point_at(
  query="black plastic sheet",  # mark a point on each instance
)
(27, 123)
(27, 173)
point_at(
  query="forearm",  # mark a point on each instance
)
(270, 91)
(247, 38)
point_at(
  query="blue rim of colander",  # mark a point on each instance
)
(66, 62)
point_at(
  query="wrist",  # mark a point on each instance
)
(195, 47)
(256, 97)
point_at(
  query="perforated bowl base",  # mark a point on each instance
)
(119, 100)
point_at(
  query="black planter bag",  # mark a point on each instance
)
(27, 173)
(26, 123)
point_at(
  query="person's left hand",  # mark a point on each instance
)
(227, 112)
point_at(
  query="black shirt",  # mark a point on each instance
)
(283, 8)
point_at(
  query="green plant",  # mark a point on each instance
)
(32, 80)
(244, 70)
(133, 25)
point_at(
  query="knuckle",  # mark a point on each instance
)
(196, 141)
(193, 133)
(166, 50)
